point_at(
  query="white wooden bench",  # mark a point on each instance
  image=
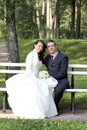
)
(76, 70)
(72, 72)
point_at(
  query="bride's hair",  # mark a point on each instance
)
(41, 54)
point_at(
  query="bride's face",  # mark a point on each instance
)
(39, 47)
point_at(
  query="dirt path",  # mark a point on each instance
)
(80, 115)
(3, 53)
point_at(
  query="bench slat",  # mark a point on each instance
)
(77, 66)
(77, 72)
(75, 90)
(22, 71)
(13, 64)
(24, 64)
(3, 89)
(12, 71)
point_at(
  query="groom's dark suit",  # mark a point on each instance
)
(57, 68)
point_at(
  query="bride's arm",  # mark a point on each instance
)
(29, 62)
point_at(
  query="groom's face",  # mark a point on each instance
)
(51, 47)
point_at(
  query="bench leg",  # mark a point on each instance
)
(4, 101)
(73, 102)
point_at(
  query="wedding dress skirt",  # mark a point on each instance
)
(31, 97)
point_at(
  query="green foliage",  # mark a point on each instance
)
(2, 84)
(2, 30)
(76, 50)
(25, 12)
(25, 46)
(2, 9)
(18, 124)
(27, 17)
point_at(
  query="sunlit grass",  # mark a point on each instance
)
(76, 50)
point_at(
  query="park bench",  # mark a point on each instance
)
(72, 72)
(76, 70)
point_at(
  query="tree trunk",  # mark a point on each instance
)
(49, 20)
(78, 20)
(57, 24)
(12, 40)
(72, 19)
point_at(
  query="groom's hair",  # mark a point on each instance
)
(51, 41)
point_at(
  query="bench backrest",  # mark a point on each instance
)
(78, 70)
(73, 69)
(11, 71)
(77, 66)
(71, 72)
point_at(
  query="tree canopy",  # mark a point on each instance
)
(47, 18)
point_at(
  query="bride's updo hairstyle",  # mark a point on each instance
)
(41, 54)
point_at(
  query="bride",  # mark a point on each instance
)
(29, 96)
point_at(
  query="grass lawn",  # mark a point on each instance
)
(18, 124)
(76, 50)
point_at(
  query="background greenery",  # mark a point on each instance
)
(76, 50)
(31, 18)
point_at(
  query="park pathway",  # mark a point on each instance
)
(80, 114)
(3, 52)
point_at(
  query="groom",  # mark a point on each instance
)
(57, 64)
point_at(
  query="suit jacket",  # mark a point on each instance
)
(58, 68)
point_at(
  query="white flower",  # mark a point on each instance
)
(43, 74)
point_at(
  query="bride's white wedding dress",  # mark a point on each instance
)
(28, 95)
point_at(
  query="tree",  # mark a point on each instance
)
(72, 18)
(78, 20)
(57, 16)
(49, 19)
(12, 39)
(44, 18)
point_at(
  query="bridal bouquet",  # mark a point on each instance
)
(43, 74)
